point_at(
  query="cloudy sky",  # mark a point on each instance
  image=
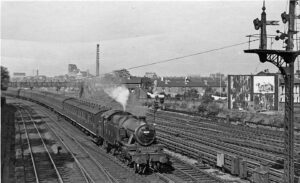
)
(50, 35)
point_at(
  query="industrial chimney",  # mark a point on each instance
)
(97, 61)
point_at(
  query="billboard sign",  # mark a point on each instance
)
(263, 84)
(239, 91)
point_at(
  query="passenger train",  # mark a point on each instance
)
(125, 135)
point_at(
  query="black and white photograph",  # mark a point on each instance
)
(114, 91)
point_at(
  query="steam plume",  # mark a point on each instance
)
(119, 93)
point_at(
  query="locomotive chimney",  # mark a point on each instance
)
(142, 118)
(97, 60)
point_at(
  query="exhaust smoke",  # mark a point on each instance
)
(118, 93)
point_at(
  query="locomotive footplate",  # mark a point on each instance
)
(146, 154)
(145, 158)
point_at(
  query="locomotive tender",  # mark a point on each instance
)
(128, 137)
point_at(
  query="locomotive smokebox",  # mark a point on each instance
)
(136, 127)
(142, 119)
(145, 134)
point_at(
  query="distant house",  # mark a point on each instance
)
(132, 82)
(179, 85)
(151, 75)
(18, 76)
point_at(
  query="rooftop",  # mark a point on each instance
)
(193, 82)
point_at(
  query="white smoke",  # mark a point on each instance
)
(119, 93)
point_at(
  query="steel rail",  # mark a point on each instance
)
(274, 173)
(85, 174)
(109, 176)
(30, 150)
(159, 175)
(162, 177)
(51, 159)
(44, 145)
(104, 170)
(21, 147)
(181, 166)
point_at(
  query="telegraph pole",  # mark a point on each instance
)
(284, 60)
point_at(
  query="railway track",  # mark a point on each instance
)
(181, 171)
(229, 135)
(209, 144)
(40, 163)
(189, 173)
(219, 143)
(274, 132)
(255, 134)
(111, 167)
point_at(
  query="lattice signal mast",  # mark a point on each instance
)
(284, 60)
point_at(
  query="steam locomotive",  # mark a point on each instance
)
(121, 133)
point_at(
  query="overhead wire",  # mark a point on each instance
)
(190, 55)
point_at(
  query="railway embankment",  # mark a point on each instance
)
(7, 142)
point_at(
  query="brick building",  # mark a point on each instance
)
(179, 85)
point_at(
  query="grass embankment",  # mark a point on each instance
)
(8, 143)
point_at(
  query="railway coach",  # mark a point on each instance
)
(86, 115)
(128, 137)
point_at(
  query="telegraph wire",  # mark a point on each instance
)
(194, 54)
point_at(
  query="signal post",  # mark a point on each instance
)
(284, 60)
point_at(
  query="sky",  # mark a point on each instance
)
(49, 35)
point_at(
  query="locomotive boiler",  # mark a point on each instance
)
(132, 140)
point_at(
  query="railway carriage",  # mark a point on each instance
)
(86, 116)
(38, 96)
(26, 94)
(54, 101)
(128, 137)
